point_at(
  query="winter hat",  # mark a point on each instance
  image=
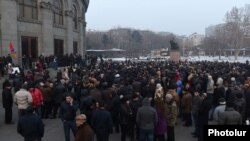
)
(117, 75)
(210, 77)
(121, 96)
(219, 81)
(41, 84)
(222, 101)
(158, 85)
(232, 79)
(168, 97)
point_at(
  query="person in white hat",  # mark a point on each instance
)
(171, 118)
(219, 109)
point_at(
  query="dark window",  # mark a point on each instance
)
(75, 47)
(58, 47)
(75, 17)
(58, 12)
(29, 47)
(28, 9)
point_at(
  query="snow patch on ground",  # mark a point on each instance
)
(191, 58)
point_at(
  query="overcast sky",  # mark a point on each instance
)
(182, 17)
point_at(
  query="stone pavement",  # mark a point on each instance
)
(54, 128)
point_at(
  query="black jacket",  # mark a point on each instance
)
(59, 91)
(7, 98)
(102, 122)
(67, 111)
(30, 126)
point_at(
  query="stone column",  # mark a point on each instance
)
(84, 38)
(47, 45)
(9, 28)
(69, 32)
(81, 45)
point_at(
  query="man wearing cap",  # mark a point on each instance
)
(219, 109)
(230, 116)
(68, 113)
(84, 131)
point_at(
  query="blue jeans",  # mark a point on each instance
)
(146, 134)
(67, 125)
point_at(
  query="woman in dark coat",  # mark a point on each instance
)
(161, 126)
(84, 131)
(7, 101)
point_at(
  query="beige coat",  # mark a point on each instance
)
(23, 99)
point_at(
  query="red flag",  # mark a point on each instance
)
(11, 47)
(12, 50)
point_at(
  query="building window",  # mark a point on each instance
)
(30, 47)
(58, 12)
(28, 9)
(75, 47)
(75, 17)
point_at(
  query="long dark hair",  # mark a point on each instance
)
(159, 104)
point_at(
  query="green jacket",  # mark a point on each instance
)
(171, 113)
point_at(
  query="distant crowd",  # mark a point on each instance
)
(140, 100)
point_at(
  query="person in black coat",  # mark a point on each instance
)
(68, 111)
(247, 97)
(30, 126)
(7, 99)
(125, 117)
(102, 123)
(58, 97)
(203, 115)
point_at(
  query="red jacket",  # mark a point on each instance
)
(37, 97)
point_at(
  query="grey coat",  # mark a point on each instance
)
(146, 117)
(230, 117)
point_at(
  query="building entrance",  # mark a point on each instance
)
(58, 47)
(30, 47)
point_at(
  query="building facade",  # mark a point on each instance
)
(193, 40)
(214, 29)
(191, 43)
(47, 27)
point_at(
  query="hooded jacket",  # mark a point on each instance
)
(146, 117)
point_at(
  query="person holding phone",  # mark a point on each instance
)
(68, 113)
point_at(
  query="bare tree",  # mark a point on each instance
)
(221, 39)
(94, 40)
(237, 22)
(135, 42)
(210, 45)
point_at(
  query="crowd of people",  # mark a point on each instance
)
(140, 100)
